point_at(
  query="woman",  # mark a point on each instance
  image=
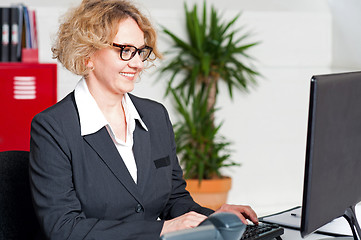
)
(103, 162)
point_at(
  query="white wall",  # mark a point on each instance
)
(346, 33)
(268, 125)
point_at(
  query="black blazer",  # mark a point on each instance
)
(82, 189)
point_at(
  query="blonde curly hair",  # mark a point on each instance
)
(92, 26)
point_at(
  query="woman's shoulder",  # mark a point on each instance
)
(66, 103)
(62, 109)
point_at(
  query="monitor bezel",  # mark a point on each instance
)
(334, 80)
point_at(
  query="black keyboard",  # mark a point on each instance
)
(263, 231)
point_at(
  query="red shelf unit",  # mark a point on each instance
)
(25, 90)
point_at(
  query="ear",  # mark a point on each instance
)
(90, 64)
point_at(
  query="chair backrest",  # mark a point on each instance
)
(17, 216)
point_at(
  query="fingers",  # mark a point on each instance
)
(188, 220)
(191, 219)
(242, 211)
(249, 213)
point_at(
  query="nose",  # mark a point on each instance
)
(136, 62)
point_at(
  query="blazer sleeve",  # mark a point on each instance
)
(180, 201)
(55, 199)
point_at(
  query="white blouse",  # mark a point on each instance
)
(92, 120)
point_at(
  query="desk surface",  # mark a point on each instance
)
(290, 220)
(291, 234)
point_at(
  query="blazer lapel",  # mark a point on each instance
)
(103, 145)
(141, 150)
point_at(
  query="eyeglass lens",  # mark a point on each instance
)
(128, 52)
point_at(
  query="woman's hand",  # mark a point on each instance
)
(243, 212)
(188, 220)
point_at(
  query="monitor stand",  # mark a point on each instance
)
(350, 215)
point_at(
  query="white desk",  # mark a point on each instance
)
(291, 234)
(291, 218)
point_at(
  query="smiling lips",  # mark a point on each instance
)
(128, 75)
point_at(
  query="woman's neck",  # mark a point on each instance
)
(112, 108)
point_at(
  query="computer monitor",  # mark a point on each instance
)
(332, 182)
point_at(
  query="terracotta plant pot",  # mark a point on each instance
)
(211, 193)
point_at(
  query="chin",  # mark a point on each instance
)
(127, 90)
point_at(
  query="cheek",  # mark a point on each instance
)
(105, 59)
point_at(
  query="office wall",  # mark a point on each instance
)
(346, 35)
(267, 125)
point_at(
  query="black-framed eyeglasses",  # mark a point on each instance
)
(127, 52)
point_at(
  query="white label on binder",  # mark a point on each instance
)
(5, 34)
(14, 34)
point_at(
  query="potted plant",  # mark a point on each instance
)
(212, 53)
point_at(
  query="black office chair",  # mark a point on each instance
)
(17, 216)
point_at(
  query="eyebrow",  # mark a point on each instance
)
(129, 44)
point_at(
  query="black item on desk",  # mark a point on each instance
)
(263, 231)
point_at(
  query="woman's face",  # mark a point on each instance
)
(111, 74)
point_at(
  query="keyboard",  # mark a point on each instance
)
(262, 231)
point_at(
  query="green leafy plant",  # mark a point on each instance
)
(213, 53)
(203, 152)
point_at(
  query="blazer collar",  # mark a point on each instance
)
(142, 144)
(142, 155)
(90, 115)
(103, 145)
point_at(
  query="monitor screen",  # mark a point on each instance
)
(332, 183)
